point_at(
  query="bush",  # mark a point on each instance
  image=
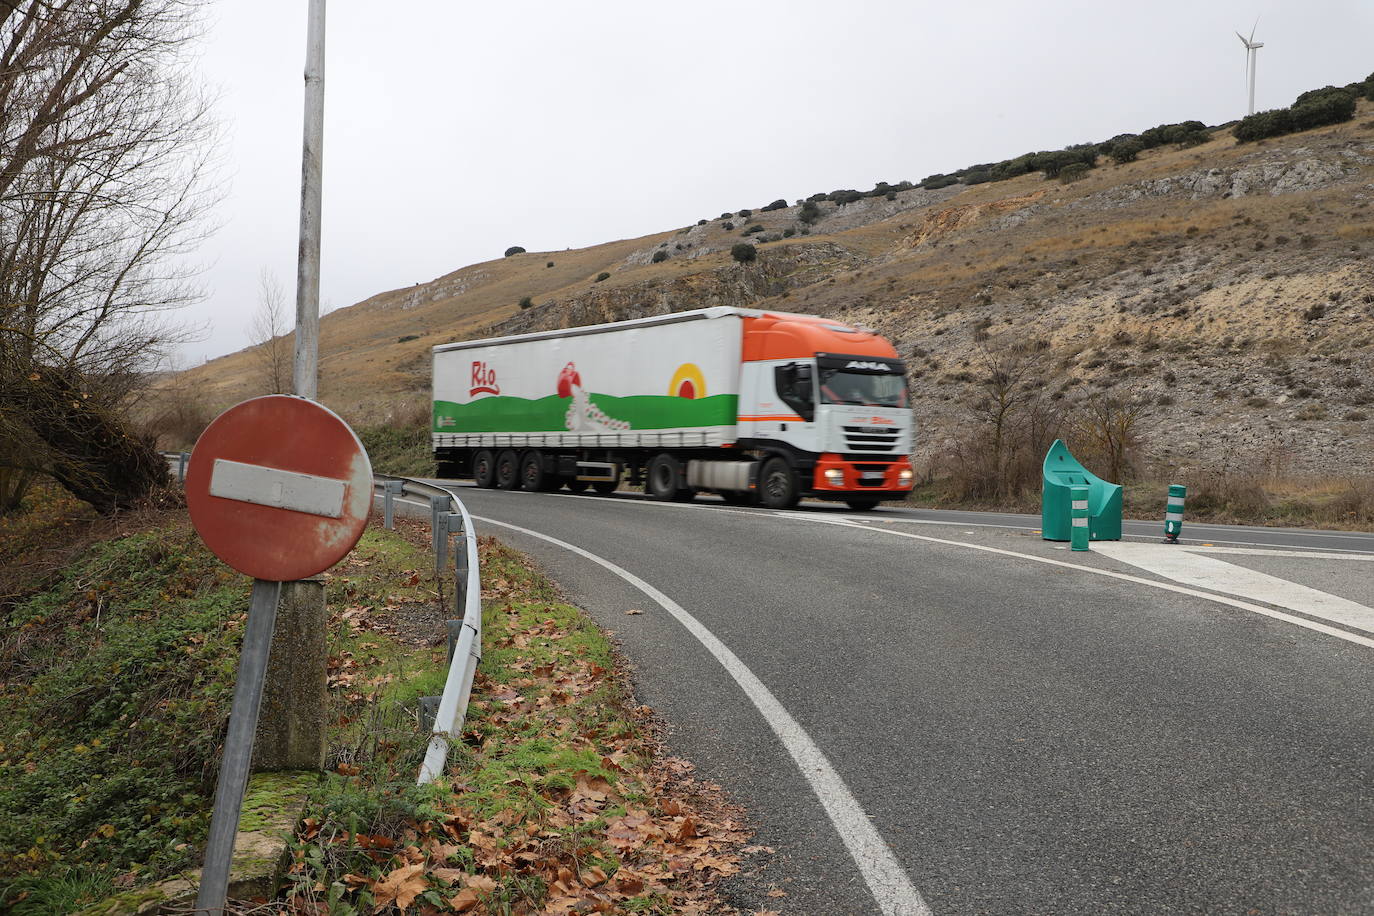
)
(602, 276)
(1073, 172)
(1321, 107)
(788, 232)
(846, 196)
(744, 253)
(728, 226)
(726, 215)
(526, 302)
(407, 337)
(810, 212)
(550, 264)
(514, 249)
(1126, 151)
(659, 256)
(778, 204)
(752, 229)
(745, 214)
(701, 222)
(1263, 124)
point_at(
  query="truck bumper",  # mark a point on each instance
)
(837, 477)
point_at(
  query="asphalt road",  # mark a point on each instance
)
(1020, 738)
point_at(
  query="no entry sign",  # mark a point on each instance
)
(279, 488)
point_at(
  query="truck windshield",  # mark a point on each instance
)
(862, 388)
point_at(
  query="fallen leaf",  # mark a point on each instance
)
(465, 900)
(777, 892)
(632, 613)
(401, 886)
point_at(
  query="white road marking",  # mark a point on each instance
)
(1152, 583)
(887, 880)
(1303, 552)
(1180, 565)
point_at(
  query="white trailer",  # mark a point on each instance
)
(748, 404)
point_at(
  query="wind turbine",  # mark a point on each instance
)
(1251, 46)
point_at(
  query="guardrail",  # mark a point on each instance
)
(448, 516)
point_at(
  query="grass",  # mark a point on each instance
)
(116, 676)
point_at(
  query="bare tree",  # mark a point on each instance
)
(1107, 424)
(103, 189)
(268, 332)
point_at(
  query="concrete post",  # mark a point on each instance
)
(295, 703)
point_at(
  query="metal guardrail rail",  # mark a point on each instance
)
(448, 516)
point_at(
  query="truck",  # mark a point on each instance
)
(759, 407)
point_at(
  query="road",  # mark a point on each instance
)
(931, 713)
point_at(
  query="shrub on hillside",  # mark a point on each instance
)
(602, 276)
(526, 302)
(810, 212)
(1263, 124)
(659, 256)
(744, 252)
(514, 249)
(1073, 172)
(745, 214)
(778, 204)
(788, 232)
(1126, 151)
(846, 196)
(727, 226)
(550, 264)
(726, 215)
(752, 229)
(701, 222)
(1321, 107)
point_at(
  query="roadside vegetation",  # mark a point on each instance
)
(118, 648)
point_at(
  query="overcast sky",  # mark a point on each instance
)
(454, 130)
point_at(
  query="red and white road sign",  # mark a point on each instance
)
(279, 488)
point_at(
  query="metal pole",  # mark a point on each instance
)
(238, 745)
(438, 527)
(306, 366)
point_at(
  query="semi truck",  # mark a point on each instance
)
(760, 407)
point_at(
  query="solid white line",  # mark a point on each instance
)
(887, 880)
(1168, 587)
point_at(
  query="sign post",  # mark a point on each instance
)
(279, 488)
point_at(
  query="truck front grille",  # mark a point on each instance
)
(871, 439)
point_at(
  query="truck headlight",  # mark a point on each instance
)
(905, 476)
(834, 477)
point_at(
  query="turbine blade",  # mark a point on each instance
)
(1242, 39)
(1253, 27)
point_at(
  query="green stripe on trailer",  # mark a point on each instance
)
(500, 414)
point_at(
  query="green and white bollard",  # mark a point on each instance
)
(1173, 513)
(1078, 510)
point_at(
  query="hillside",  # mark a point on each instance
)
(1227, 286)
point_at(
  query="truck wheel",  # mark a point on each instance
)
(577, 486)
(662, 475)
(778, 484)
(508, 470)
(861, 505)
(484, 469)
(605, 487)
(532, 476)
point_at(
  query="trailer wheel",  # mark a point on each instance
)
(861, 505)
(484, 469)
(663, 476)
(508, 470)
(577, 486)
(604, 487)
(778, 484)
(532, 475)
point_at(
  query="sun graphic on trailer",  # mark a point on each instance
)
(688, 382)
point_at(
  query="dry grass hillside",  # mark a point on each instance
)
(1224, 289)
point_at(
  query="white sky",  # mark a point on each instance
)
(454, 130)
